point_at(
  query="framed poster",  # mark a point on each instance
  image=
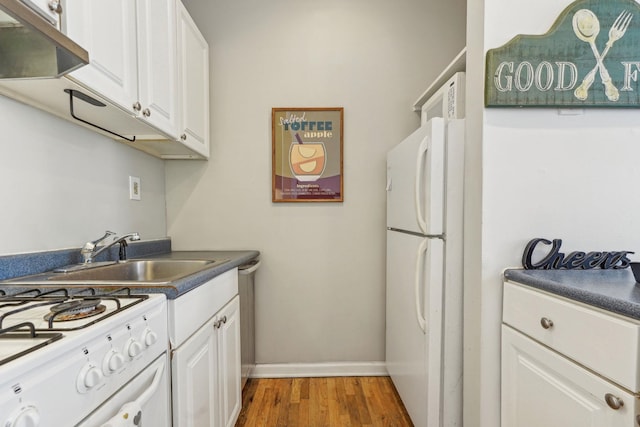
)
(307, 154)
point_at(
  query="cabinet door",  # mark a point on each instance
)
(107, 30)
(193, 71)
(43, 8)
(542, 388)
(157, 64)
(230, 363)
(194, 379)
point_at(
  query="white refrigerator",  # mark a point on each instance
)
(424, 272)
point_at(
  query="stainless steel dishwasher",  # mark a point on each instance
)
(246, 284)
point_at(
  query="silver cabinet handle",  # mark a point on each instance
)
(137, 106)
(146, 112)
(183, 137)
(546, 323)
(614, 402)
(55, 6)
(218, 323)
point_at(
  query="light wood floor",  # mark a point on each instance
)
(322, 402)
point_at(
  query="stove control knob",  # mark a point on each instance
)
(112, 362)
(89, 377)
(25, 417)
(133, 348)
(92, 377)
(149, 337)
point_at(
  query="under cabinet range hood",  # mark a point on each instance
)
(30, 47)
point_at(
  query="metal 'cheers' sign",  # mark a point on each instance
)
(553, 259)
(589, 58)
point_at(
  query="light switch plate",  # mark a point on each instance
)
(134, 188)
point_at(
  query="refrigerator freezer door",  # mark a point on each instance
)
(415, 181)
(414, 355)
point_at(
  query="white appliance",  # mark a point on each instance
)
(76, 357)
(424, 272)
(447, 102)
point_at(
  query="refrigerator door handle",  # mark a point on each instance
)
(421, 162)
(419, 284)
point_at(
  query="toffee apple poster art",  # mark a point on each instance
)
(307, 154)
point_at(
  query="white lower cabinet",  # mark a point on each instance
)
(544, 387)
(206, 373)
(541, 388)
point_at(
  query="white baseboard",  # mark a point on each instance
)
(331, 369)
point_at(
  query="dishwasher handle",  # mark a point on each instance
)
(249, 268)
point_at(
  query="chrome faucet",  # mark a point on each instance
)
(90, 250)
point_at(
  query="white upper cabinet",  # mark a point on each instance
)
(107, 30)
(147, 83)
(132, 49)
(193, 71)
(157, 64)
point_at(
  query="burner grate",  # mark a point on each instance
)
(38, 339)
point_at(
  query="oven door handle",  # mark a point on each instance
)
(130, 414)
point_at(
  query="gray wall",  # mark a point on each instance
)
(62, 185)
(321, 290)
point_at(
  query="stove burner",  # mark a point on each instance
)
(75, 309)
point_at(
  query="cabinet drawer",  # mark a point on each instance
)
(190, 311)
(605, 343)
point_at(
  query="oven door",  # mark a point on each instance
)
(144, 401)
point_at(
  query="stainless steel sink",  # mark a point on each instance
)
(147, 271)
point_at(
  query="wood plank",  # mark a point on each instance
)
(285, 388)
(361, 402)
(265, 406)
(295, 390)
(333, 404)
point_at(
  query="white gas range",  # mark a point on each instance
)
(81, 357)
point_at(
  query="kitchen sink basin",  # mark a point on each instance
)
(138, 271)
(147, 271)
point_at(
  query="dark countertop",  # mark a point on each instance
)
(15, 266)
(611, 290)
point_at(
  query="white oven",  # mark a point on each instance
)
(75, 357)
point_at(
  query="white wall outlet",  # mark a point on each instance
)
(134, 188)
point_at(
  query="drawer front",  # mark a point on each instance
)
(604, 343)
(190, 311)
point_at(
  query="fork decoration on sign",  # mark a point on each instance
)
(586, 27)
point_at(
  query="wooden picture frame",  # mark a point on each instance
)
(307, 149)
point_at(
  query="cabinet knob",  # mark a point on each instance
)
(55, 6)
(137, 106)
(546, 323)
(146, 112)
(183, 137)
(614, 402)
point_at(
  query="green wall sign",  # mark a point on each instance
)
(589, 58)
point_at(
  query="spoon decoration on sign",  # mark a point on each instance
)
(587, 27)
